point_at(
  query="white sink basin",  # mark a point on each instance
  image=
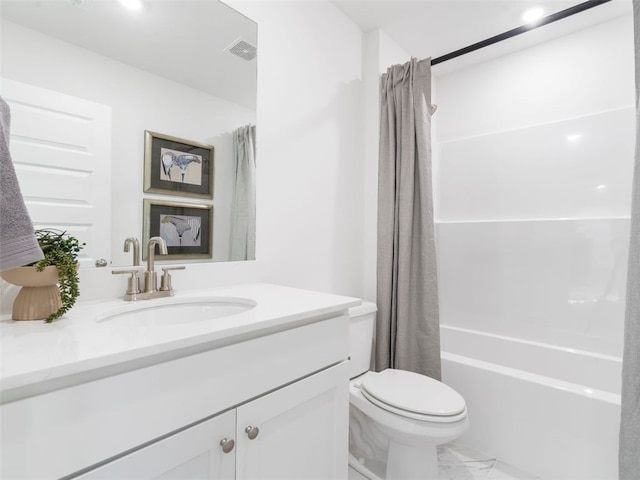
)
(174, 311)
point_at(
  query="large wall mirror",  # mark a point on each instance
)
(87, 79)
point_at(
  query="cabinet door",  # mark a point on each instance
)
(195, 454)
(302, 430)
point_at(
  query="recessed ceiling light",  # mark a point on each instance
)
(132, 4)
(532, 15)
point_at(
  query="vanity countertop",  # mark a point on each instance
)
(32, 352)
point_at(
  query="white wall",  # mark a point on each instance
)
(139, 101)
(310, 145)
(310, 152)
(534, 160)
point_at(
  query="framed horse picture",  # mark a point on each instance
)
(175, 166)
(186, 228)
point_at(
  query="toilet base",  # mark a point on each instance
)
(355, 475)
(358, 471)
(406, 462)
(403, 463)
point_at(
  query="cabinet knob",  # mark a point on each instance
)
(227, 444)
(252, 432)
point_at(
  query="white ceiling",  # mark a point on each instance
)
(431, 28)
(183, 41)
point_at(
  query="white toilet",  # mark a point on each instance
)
(397, 418)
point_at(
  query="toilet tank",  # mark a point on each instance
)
(362, 321)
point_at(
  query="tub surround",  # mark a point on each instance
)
(564, 403)
(84, 382)
(532, 207)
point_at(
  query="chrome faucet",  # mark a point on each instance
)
(150, 279)
(150, 286)
(136, 249)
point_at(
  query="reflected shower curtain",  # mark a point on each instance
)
(408, 326)
(629, 453)
(243, 207)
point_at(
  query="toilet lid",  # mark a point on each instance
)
(413, 393)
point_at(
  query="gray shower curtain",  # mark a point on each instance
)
(629, 453)
(408, 326)
(243, 207)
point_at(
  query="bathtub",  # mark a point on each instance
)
(551, 411)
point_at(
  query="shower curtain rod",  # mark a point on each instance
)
(581, 7)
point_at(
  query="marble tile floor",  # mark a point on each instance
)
(459, 463)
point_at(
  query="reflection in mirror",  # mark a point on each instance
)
(86, 78)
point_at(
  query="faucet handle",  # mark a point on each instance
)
(175, 267)
(165, 280)
(133, 283)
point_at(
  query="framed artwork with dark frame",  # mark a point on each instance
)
(175, 166)
(186, 228)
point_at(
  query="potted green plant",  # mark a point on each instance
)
(50, 286)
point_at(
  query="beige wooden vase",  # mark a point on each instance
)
(39, 296)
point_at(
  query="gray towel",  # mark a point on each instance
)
(18, 244)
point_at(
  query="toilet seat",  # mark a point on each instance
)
(413, 396)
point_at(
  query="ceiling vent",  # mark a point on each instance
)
(243, 49)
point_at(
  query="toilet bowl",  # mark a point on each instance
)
(397, 418)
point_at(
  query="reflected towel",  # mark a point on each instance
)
(18, 244)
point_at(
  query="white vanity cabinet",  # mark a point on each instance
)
(301, 431)
(162, 415)
(194, 454)
(287, 434)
